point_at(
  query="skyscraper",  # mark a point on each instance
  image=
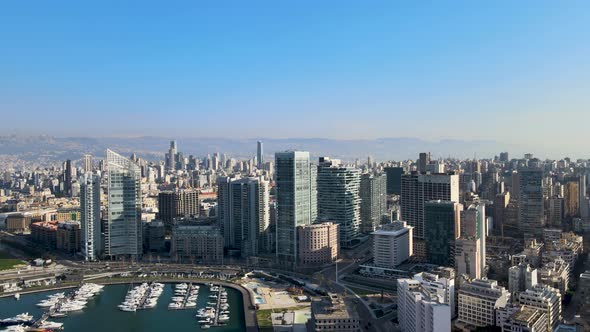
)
(338, 198)
(474, 224)
(423, 161)
(87, 163)
(296, 199)
(441, 228)
(394, 180)
(123, 229)
(417, 189)
(373, 201)
(68, 174)
(171, 157)
(90, 216)
(531, 218)
(259, 155)
(243, 207)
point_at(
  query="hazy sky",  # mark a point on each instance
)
(502, 70)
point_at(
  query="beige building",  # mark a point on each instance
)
(527, 319)
(478, 302)
(331, 313)
(318, 243)
(555, 274)
(547, 300)
(18, 223)
(468, 257)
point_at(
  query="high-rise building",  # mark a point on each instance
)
(531, 218)
(296, 199)
(504, 156)
(260, 154)
(123, 230)
(243, 214)
(178, 203)
(478, 302)
(394, 180)
(373, 201)
(420, 309)
(339, 201)
(90, 216)
(87, 163)
(571, 198)
(474, 226)
(546, 299)
(555, 213)
(392, 244)
(442, 227)
(417, 189)
(468, 257)
(68, 175)
(171, 156)
(423, 161)
(318, 243)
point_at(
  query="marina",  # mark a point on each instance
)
(185, 296)
(105, 304)
(216, 313)
(144, 296)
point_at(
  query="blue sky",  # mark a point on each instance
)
(502, 70)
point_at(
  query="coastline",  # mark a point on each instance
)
(250, 320)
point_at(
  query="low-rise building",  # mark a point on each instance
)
(197, 242)
(422, 307)
(545, 298)
(527, 319)
(520, 278)
(18, 223)
(478, 302)
(332, 313)
(555, 274)
(318, 244)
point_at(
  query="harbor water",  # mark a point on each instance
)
(102, 314)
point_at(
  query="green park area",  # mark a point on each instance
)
(8, 262)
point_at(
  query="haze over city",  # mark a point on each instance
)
(512, 73)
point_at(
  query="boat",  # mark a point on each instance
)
(19, 319)
(58, 315)
(16, 296)
(205, 326)
(129, 309)
(51, 325)
(16, 328)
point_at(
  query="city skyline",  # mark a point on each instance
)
(346, 71)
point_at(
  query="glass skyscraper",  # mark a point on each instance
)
(90, 216)
(296, 199)
(123, 230)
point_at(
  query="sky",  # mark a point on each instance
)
(509, 71)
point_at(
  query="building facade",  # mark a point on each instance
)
(373, 201)
(123, 230)
(442, 227)
(339, 199)
(296, 199)
(90, 217)
(243, 214)
(392, 244)
(318, 243)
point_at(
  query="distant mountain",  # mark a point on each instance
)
(152, 148)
